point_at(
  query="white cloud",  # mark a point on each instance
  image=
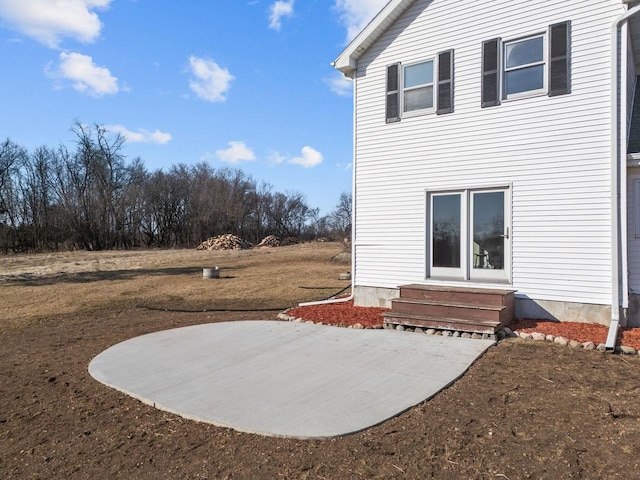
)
(209, 82)
(340, 85)
(237, 152)
(279, 10)
(309, 158)
(48, 21)
(356, 14)
(86, 76)
(141, 136)
(275, 158)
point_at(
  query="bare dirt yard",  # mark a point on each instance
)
(524, 410)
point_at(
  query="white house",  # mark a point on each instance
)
(492, 150)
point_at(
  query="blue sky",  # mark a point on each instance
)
(238, 83)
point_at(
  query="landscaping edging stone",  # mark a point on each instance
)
(504, 334)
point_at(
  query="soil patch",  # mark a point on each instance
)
(525, 410)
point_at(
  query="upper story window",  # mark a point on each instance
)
(420, 87)
(538, 64)
(524, 66)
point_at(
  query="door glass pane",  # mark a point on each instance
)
(488, 230)
(446, 230)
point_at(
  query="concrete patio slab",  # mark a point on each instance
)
(285, 379)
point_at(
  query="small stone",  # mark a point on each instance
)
(538, 336)
(561, 341)
(525, 335)
(400, 328)
(628, 350)
(358, 326)
(574, 344)
(476, 336)
(378, 327)
(601, 347)
(446, 333)
(408, 329)
(418, 330)
(589, 346)
(492, 337)
(550, 338)
(438, 332)
(485, 336)
(298, 320)
(456, 334)
(465, 335)
(283, 316)
(310, 322)
(431, 331)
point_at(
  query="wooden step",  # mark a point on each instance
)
(465, 309)
(442, 323)
(451, 310)
(460, 295)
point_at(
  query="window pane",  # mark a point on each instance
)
(418, 98)
(524, 52)
(446, 231)
(525, 79)
(420, 74)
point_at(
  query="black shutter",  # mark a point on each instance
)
(559, 59)
(393, 93)
(491, 73)
(445, 82)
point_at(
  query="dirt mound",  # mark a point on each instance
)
(224, 242)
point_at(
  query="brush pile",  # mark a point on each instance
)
(270, 241)
(224, 242)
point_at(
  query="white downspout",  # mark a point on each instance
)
(616, 172)
(353, 211)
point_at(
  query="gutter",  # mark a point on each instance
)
(618, 171)
(353, 214)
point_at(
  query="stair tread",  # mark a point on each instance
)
(440, 319)
(414, 301)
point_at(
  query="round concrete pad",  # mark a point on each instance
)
(285, 379)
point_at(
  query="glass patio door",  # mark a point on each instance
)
(489, 234)
(469, 235)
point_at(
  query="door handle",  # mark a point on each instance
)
(506, 233)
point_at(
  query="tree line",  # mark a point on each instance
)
(90, 197)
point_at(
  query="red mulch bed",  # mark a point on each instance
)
(347, 314)
(340, 314)
(582, 332)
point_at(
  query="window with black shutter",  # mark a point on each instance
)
(521, 68)
(490, 73)
(393, 94)
(445, 83)
(559, 59)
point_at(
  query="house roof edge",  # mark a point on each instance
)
(347, 61)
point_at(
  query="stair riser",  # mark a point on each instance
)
(446, 311)
(444, 324)
(488, 299)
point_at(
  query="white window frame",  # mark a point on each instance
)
(504, 70)
(433, 84)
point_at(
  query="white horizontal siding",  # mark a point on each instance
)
(552, 152)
